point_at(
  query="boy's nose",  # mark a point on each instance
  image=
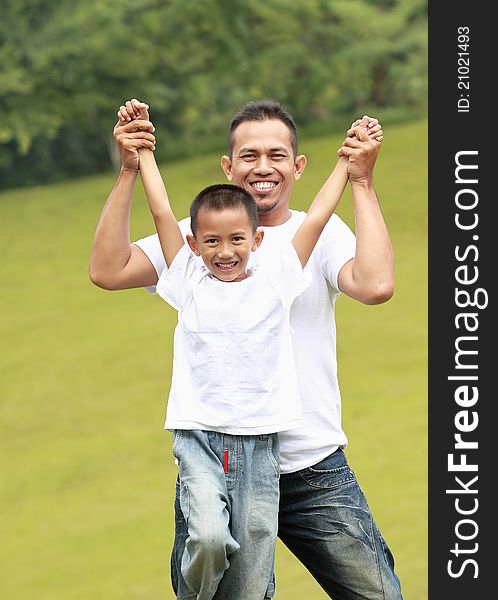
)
(225, 251)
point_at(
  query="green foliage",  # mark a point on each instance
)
(66, 67)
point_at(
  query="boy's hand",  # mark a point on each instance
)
(132, 132)
(372, 126)
(131, 110)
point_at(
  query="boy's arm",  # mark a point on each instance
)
(320, 211)
(327, 199)
(169, 232)
(170, 235)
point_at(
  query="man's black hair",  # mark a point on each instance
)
(223, 196)
(262, 110)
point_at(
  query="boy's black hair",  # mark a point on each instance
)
(262, 110)
(220, 197)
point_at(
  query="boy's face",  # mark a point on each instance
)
(263, 163)
(225, 239)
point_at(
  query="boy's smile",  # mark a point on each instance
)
(225, 239)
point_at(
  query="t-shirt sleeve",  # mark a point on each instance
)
(175, 284)
(337, 247)
(151, 247)
(287, 275)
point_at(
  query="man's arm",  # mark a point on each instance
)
(369, 276)
(115, 263)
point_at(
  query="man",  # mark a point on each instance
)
(323, 518)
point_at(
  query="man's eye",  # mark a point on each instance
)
(248, 157)
(278, 156)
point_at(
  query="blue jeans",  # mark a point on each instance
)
(226, 515)
(326, 523)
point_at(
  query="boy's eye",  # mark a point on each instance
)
(211, 241)
(238, 238)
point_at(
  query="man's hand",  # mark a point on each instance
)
(361, 147)
(133, 131)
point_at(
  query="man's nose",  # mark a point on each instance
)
(263, 166)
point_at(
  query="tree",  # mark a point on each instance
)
(68, 65)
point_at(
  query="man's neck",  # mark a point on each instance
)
(274, 218)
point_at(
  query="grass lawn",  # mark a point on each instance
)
(87, 473)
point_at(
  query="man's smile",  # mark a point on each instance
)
(263, 186)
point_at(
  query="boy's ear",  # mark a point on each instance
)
(192, 242)
(226, 165)
(258, 238)
(299, 165)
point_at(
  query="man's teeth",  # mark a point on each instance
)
(263, 186)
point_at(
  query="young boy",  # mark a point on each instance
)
(233, 386)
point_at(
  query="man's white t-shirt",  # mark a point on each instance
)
(313, 336)
(233, 367)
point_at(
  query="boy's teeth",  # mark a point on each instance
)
(263, 185)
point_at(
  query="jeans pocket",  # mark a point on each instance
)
(176, 439)
(273, 452)
(331, 472)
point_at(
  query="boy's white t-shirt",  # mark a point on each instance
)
(233, 367)
(313, 336)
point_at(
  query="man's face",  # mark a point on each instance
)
(224, 239)
(263, 163)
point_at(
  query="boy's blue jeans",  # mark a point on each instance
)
(325, 521)
(226, 514)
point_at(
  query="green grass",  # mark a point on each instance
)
(87, 475)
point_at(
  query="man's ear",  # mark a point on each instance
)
(258, 238)
(299, 165)
(226, 165)
(192, 242)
